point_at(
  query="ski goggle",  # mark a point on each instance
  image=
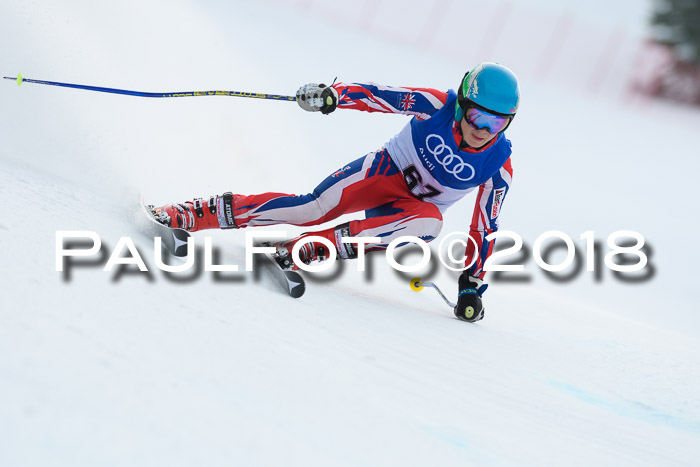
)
(480, 119)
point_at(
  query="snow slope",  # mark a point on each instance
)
(128, 368)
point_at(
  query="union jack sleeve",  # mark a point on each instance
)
(488, 206)
(371, 97)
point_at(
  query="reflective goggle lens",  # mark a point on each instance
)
(481, 119)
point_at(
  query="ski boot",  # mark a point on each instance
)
(309, 252)
(198, 214)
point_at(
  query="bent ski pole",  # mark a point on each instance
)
(20, 79)
(417, 285)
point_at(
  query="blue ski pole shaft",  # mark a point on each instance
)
(20, 79)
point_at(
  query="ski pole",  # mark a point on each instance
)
(417, 285)
(255, 95)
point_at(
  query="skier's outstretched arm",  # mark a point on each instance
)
(371, 97)
(484, 222)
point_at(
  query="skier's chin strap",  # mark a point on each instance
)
(463, 142)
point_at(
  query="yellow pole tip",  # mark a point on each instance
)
(415, 284)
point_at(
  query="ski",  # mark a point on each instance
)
(174, 239)
(290, 281)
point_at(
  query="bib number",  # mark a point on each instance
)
(413, 180)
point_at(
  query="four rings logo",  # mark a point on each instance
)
(444, 156)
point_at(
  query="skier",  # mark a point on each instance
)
(454, 143)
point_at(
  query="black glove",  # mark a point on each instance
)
(469, 307)
(317, 97)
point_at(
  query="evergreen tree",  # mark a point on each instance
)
(677, 23)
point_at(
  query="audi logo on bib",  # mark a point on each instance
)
(451, 162)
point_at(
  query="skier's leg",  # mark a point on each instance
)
(367, 182)
(401, 217)
(358, 186)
